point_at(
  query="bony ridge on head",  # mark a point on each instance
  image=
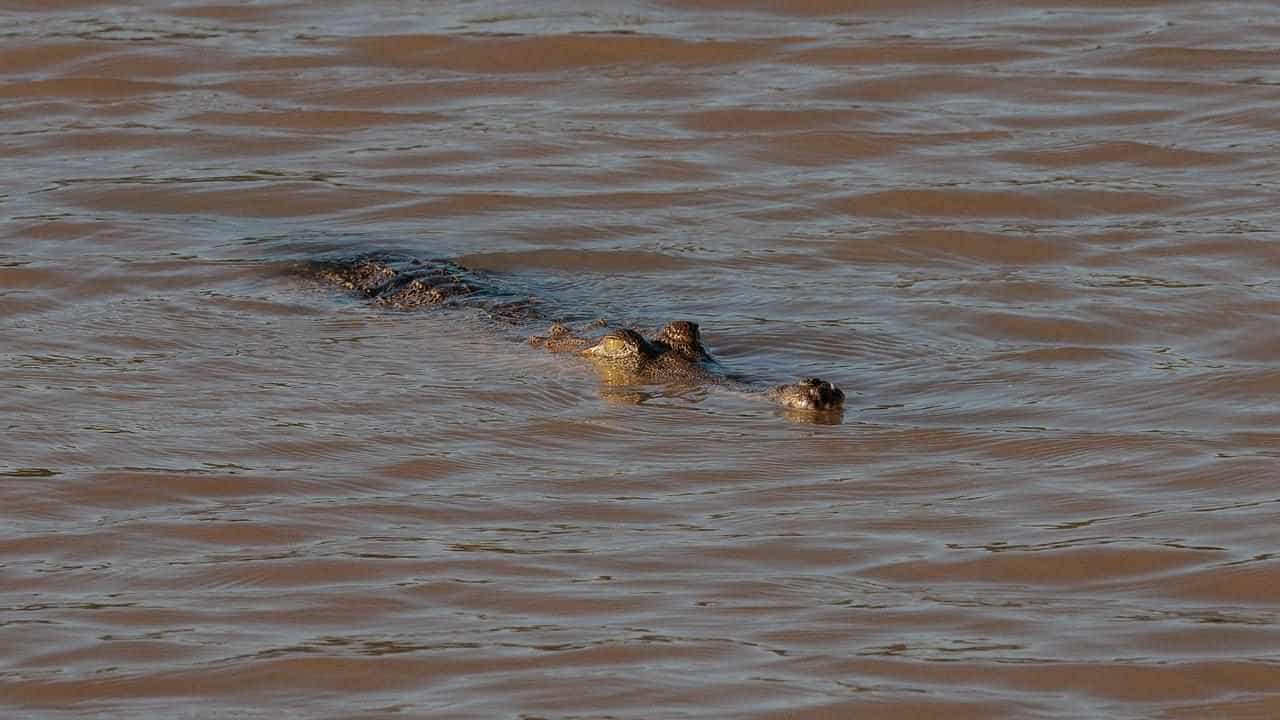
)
(618, 343)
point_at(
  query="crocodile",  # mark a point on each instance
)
(675, 355)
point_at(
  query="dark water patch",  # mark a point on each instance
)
(30, 473)
(916, 51)
(548, 53)
(280, 199)
(91, 88)
(1064, 204)
(927, 247)
(309, 121)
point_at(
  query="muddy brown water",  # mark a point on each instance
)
(1036, 243)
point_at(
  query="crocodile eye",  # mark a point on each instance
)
(613, 345)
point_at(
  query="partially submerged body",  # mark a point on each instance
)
(674, 356)
(398, 282)
(407, 283)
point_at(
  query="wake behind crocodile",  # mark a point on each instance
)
(621, 354)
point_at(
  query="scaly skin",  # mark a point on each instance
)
(414, 284)
(808, 394)
(408, 283)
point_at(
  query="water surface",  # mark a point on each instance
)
(1034, 242)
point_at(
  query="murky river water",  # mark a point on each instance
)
(1036, 243)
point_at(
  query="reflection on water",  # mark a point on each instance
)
(1034, 243)
(817, 417)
